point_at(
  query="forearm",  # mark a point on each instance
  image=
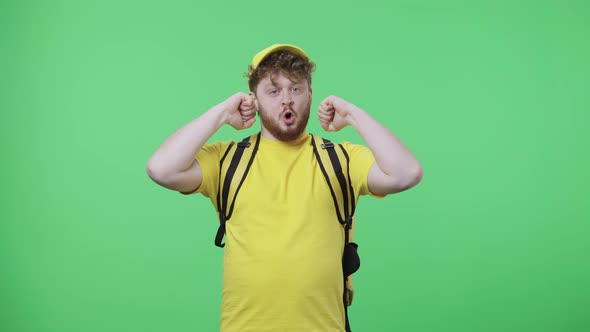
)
(178, 151)
(391, 155)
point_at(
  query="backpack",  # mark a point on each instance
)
(233, 171)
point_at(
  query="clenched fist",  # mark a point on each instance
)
(334, 113)
(240, 110)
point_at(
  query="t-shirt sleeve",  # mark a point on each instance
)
(208, 158)
(361, 160)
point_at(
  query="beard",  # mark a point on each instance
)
(282, 131)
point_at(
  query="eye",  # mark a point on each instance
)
(273, 92)
(296, 89)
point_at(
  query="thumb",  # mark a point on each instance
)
(244, 102)
(327, 126)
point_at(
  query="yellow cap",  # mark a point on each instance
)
(276, 47)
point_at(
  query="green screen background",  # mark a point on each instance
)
(491, 96)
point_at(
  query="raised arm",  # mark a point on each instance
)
(396, 169)
(173, 165)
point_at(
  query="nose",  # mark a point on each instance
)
(287, 100)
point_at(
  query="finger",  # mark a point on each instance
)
(327, 126)
(246, 118)
(326, 109)
(327, 103)
(251, 112)
(248, 113)
(325, 117)
(246, 101)
(250, 100)
(245, 106)
(248, 110)
(326, 112)
(245, 97)
(248, 123)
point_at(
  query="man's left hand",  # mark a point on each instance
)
(335, 113)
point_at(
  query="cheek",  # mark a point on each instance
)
(263, 101)
(304, 101)
(269, 104)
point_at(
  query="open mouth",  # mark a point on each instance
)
(288, 117)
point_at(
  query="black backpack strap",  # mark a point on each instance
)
(348, 205)
(347, 243)
(344, 181)
(228, 188)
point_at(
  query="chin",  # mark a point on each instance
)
(288, 135)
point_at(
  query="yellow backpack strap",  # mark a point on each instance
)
(232, 173)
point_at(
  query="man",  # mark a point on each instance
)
(283, 259)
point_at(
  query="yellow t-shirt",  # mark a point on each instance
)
(282, 267)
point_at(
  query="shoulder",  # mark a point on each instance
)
(216, 146)
(210, 154)
(361, 160)
(357, 150)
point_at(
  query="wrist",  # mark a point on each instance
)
(354, 116)
(219, 112)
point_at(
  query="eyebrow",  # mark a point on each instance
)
(277, 85)
(293, 81)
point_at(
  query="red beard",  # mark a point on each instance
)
(281, 131)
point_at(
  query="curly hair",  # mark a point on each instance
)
(292, 65)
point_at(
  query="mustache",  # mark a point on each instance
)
(287, 109)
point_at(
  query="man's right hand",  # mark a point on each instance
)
(174, 166)
(240, 110)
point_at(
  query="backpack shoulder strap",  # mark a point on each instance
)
(334, 164)
(331, 161)
(232, 173)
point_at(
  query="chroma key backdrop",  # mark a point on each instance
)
(493, 98)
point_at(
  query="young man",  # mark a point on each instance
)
(283, 258)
